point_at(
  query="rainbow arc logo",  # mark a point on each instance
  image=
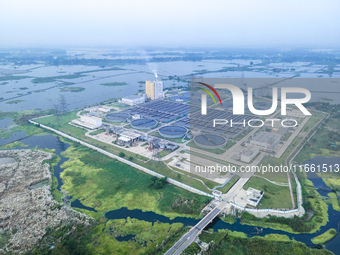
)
(204, 97)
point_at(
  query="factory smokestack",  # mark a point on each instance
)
(155, 73)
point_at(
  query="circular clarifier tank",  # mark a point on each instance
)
(172, 131)
(143, 123)
(117, 116)
(210, 141)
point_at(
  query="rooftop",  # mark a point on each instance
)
(265, 137)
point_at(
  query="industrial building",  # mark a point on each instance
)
(98, 109)
(249, 154)
(134, 99)
(103, 109)
(128, 137)
(266, 141)
(254, 196)
(168, 146)
(154, 90)
(90, 122)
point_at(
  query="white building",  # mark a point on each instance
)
(98, 109)
(254, 196)
(88, 121)
(129, 136)
(217, 193)
(159, 89)
(249, 154)
(154, 90)
(266, 141)
(103, 109)
(133, 100)
(204, 246)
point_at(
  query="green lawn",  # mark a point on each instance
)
(233, 242)
(229, 184)
(318, 145)
(107, 184)
(334, 199)
(99, 131)
(147, 236)
(274, 196)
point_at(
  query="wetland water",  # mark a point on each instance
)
(53, 142)
(45, 94)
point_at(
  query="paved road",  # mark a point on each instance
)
(190, 237)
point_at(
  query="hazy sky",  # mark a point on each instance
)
(243, 23)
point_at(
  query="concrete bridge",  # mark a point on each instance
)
(194, 232)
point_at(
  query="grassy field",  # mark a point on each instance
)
(315, 118)
(99, 131)
(163, 153)
(107, 184)
(238, 243)
(13, 145)
(332, 180)
(329, 234)
(335, 202)
(315, 203)
(274, 176)
(146, 236)
(274, 196)
(229, 184)
(318, 144)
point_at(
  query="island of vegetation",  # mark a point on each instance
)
(111, 84)
(72, 89)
